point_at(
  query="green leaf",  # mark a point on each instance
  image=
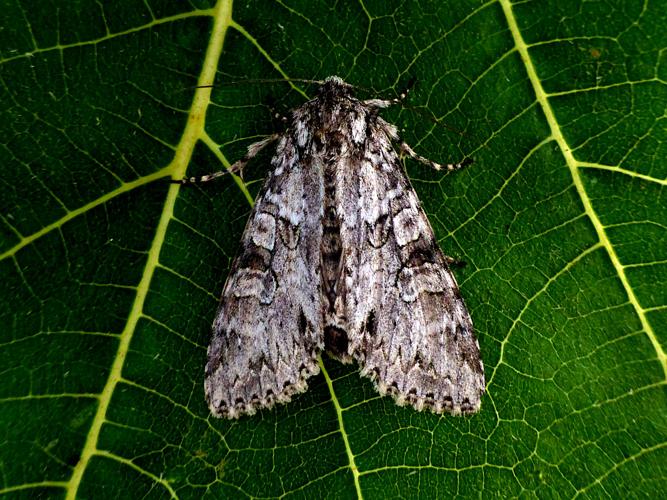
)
(111, 275)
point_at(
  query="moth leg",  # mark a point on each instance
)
(385, 103)
(452, 262)
(237, 167)
(405, 149)
(392, 133)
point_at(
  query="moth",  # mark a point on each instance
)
(339, 256)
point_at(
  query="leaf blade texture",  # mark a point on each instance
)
(112, 276)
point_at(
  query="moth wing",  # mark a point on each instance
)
(408, 326)
(268, 330)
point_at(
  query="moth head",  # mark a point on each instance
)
(334, 86)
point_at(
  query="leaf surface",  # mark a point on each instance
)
(112, 275)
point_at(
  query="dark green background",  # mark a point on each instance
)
(562, 221)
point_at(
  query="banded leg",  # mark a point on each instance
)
(436, 166)
(237, 167)
(404, 147)
(385, 103)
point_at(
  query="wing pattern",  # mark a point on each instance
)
(338, 254)
(408, 326)
(268, 330)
